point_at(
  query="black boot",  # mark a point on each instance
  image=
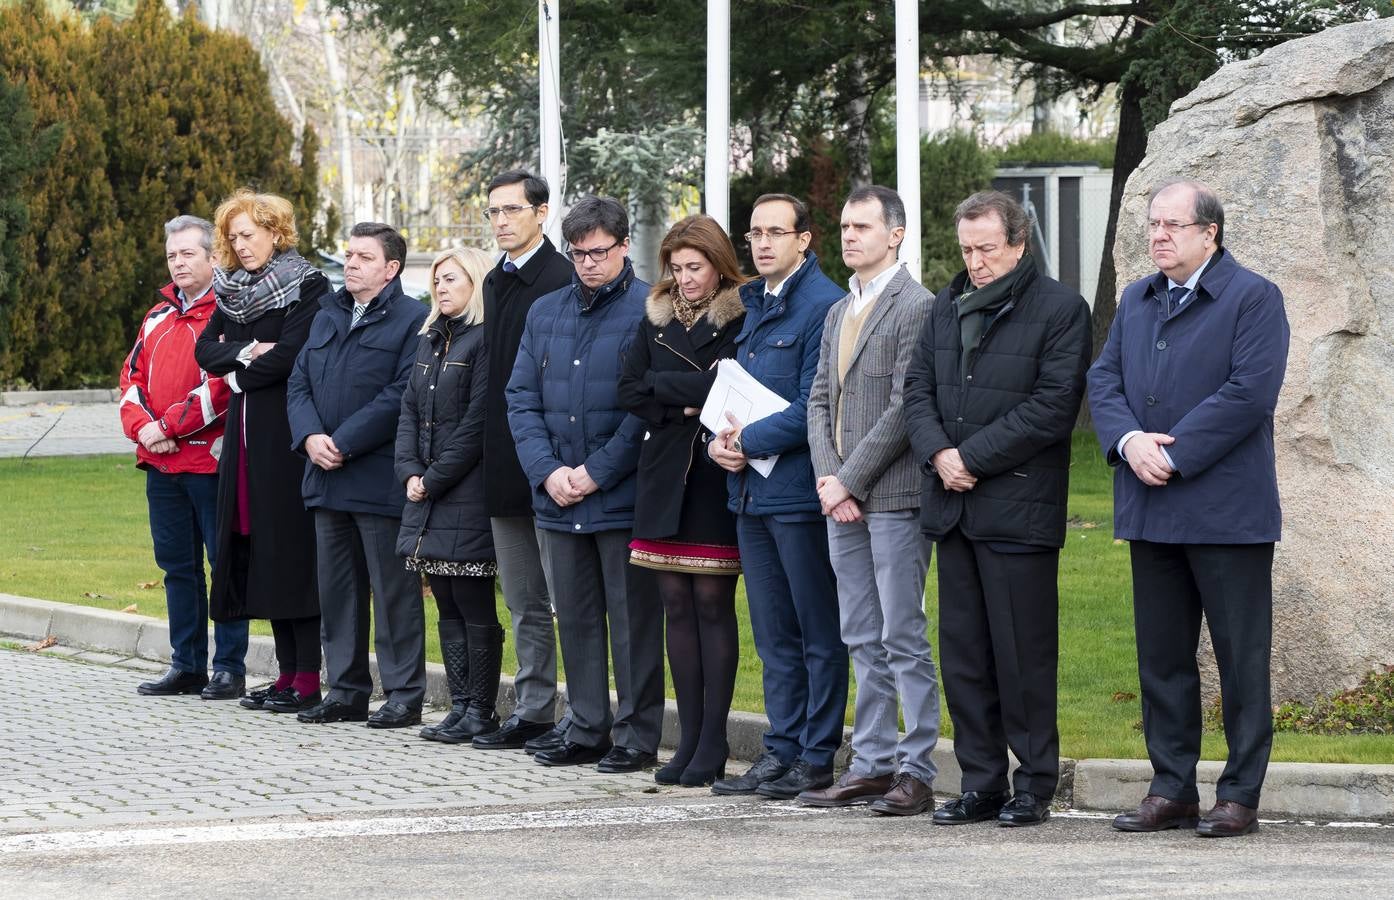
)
(486, 661)
(454, 651)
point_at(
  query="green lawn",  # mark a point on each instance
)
(75, 530)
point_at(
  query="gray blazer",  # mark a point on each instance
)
(879, 469)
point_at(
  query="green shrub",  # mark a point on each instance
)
(1052, 148)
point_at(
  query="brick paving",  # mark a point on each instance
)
(83, 748)
(77, 429)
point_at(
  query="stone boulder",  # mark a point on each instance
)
(1299, 144)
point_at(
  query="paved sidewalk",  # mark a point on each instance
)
(82, 748)
(77, 429)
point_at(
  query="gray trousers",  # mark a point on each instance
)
(596, 591)
(524, 586)
(357, 561)
(881, 563)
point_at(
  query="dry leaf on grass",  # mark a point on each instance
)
(132, 608)
(42, 645)
(1123, 696)
(147, 585)
(90, 595)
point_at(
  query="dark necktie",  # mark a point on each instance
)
(509, 267)
(1174, 298)
(771, 299)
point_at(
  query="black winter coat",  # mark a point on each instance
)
(440, 436)
(681, 494)
(280, 569)
(507, 298)
(1010, 415)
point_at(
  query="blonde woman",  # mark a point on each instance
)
(445, 527)
(264, 566)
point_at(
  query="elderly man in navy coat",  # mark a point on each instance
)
(1183, 396)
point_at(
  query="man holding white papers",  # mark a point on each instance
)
(779, 522)
(869, 486)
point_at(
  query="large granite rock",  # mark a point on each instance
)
(1299, 144)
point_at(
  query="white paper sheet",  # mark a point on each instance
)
(738, 392)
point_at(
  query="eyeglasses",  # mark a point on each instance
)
(507, 212)
(1156, 225)
(759, 234)
(597, 254)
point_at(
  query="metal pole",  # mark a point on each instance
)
(907, 126)
(549, 113)
(718, 160)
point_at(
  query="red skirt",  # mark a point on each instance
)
(693, 559)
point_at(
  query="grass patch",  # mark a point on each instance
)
(74, 529)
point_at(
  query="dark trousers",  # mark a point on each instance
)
(357, 559)
(598, 594)
(998, 649)
(794, 619)
(183, 524)
(1232, 584)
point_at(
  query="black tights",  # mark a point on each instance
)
(703, 650)
(297, 644)
(468, 597)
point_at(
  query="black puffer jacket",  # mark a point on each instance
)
(440, 437)
(1010, 415)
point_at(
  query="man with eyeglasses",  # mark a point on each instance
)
(528, 268)
(580, 450)
(779, 523)
(1183, 397)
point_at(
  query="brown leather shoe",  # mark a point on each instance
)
(849, 790)
(1228, 819)
(1158, 814)
(909, 796)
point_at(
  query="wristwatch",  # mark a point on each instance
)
(736, 445)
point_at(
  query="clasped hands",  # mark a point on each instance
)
(567, 486)
(955, 475)
(322, 452)
(152, 437)
(722, 449)
(837, 501)
(1143, 451)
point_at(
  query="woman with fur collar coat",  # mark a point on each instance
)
(682, 528)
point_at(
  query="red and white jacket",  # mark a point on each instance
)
(161, 382)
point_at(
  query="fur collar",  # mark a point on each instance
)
(725, 308)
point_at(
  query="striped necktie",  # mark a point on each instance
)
(358, 310)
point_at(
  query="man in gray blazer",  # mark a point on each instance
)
(869, 487)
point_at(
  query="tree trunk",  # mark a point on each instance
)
(1132, 147)
(858, 140)
(338, 96)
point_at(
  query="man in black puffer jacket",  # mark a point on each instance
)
(991, 397)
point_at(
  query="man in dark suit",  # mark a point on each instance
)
(991, 398)
(529, 267)
(1183, 397)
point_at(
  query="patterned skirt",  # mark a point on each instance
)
(481, 569)
(694, 559)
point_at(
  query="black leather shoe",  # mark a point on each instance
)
(258, 696)
(549, 740)
(394, 715)
(569, 754)
(973, 806)
(512, 735)
(1024, 809)
(173, 683)
(292, 701)
(626, 759)
(224, 686)
(331, 710)
(766, 768)
(802, 776)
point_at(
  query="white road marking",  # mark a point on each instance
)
(68, 841)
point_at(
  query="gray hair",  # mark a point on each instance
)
(1208, 208)
(892, 207)
(184, 223)
(1015, 221)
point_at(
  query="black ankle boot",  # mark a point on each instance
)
(486, 662)
(454, 651)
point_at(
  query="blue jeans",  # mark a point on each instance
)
(184, 521)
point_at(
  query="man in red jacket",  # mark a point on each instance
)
(174, 412)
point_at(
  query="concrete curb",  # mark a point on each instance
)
(32, 398)
(1294, 790)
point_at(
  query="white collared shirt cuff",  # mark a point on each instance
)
(232, 382)
(1167, 457)
(1124, 440)
(244, 356)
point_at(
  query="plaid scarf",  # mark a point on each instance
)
(245, 296)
